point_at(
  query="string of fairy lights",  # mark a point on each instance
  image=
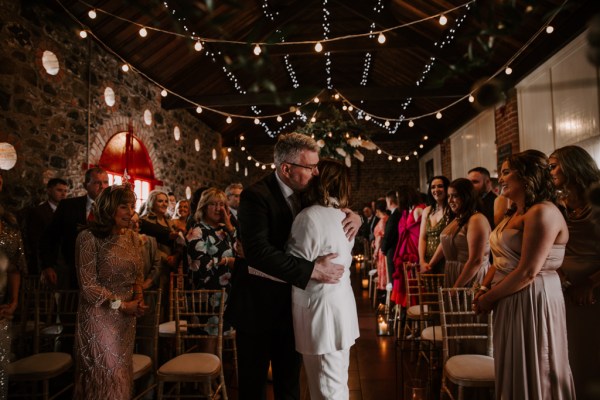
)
(295, 113)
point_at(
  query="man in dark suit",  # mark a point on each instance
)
(39, 218)
(260, 302)
(480, 177)
(390, 234)
(71, 214)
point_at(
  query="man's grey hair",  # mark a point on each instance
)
(289, 146)
(232, 186)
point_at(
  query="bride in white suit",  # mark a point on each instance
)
(325, 318)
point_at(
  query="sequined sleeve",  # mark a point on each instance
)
(17, 258)
(86, 259)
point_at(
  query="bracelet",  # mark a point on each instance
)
(484, 288)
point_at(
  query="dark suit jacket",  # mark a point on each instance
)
(258, 304)
(487, 203)
(68, 219)
(390, 235)
(37, 221)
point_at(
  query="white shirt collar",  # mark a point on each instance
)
(285, 189)
(88, 205)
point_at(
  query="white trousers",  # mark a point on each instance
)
(327, 375)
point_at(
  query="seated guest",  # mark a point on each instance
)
(434, 220)
(523, 288)
(573, 171)
(210, 242)
(465, 241)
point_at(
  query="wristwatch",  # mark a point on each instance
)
(115, 304)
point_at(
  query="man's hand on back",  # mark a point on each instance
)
(351, 223)
(326, 271)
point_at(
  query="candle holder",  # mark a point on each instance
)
(365, 283)
(384, 324)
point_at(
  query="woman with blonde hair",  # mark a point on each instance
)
(573, 171)
(210, 241)
(324, 315)
(109, 269)
(181, 213)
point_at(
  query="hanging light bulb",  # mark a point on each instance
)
(256, 121)
(415, 153)
(242, 137)
(508, 70)
(367, 117)
(421, 146)
(313, 119)
(438, 115)
(336, 96)
(249, 158)
(390, 158)
(316, 99)
(399, 159)
(279, 119)
(229, 149)
(379, 151)
(198, 46)
(443, 20)
(257, 164)
(125, 67)
(92, 14)
(549, 29)
(344, 107)
(272, 166)
(263, 166)
(318, 47)
(411, 123)
(298, 112)
(381, 38)
(143, 32)
(199, 110)
(386, 123)
(471, 98)
(229, 120)
(83, 34)
(257, 50)
(164, 93)
(407, 158)
(425, 137)
(243, 148)
(350, 108)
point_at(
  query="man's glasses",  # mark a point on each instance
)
(311, 167)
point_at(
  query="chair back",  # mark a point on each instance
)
(463, 331)
(56, 317)
(429, 298)
(367, 252)
(411, 280)
(146, 331)
(176, 282)
(200, 318)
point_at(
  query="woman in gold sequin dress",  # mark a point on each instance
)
(435, 218)
(12, 263)
(109, 269)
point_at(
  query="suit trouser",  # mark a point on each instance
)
(255, 350)
(327, 375)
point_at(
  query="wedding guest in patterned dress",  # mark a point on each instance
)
(573, 171)
(435, 218)
(12, 264)
(210, 242)
(109, 268)
(378, 232)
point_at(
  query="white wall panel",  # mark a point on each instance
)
(535, 113)
(434, 154)
(473, 145)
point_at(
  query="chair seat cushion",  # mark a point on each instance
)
(39, 366)
(168, 328)
(414, 312)
(141, 364)
(191, 364)
(432, 334)
(470, 370)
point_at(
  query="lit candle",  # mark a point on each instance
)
(365, 283)
(383, 327)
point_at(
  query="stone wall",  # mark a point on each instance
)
(60, 123)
